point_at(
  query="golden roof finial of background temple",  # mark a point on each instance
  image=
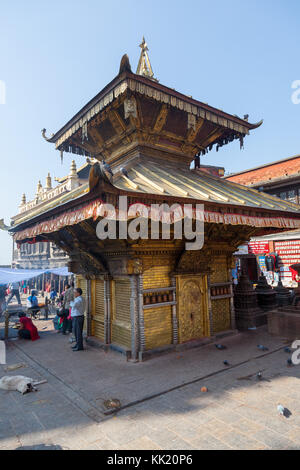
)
(144, 66)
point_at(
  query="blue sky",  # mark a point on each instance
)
(239, 56)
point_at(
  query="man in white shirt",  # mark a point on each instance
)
(77, 315)
(14, 290)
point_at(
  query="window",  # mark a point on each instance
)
(292, 195)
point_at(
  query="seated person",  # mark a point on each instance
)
(53, 294)
(27, 329)
(32, 304)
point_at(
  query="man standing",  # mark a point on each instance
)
(77, 315)
(14, 288)
(68, 298)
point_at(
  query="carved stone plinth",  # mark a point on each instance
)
(247, 312)
(266, 296)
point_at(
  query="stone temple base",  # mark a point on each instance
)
(250, 319)
(285, 322)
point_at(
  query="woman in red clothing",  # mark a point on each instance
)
(27, 329)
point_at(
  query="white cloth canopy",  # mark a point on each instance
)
(8, 275)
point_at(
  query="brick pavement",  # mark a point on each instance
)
(235, 413)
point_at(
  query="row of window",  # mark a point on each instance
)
(292, 195)
(39, 248)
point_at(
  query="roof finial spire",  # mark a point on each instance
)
(144, 66)
(48, 182)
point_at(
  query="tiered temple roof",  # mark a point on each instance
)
(144, 136)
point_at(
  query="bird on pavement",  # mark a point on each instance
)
(262, 348)
(283, 411)
(220, 346)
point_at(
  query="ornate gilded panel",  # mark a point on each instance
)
(157, 276)
(221, 315)
(193, 320)
(219, 269)
(158, 327)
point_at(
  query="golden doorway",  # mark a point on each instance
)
(192, 305)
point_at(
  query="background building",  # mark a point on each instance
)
(280, 178)
(44, 255)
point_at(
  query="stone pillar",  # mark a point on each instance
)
(174, 314)
(141, 316)
(232, 310)
(247, 312)
(266, 296)
(134, 313)
(282, 294)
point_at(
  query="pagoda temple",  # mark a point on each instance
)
(152, 294)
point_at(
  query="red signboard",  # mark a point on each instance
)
(288, 254)
(258, 248)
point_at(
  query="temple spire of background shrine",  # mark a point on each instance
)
(144, 66)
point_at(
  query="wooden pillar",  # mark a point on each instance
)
(6, 325)
(134, 313)
(141, 316)
(174, 314)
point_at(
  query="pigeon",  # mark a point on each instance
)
(220, 346)
(259, 375)
(226, 363)
(287, 350)
(124, 172)
(289, 362)
(108, 168)
(262, 348)
(284, 411)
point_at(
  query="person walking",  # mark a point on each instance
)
(14, 291)
(77, 315)
(53, 295)
(66, 304)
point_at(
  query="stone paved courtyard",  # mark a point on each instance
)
(237, 412)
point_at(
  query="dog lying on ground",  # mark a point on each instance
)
(20, 383)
